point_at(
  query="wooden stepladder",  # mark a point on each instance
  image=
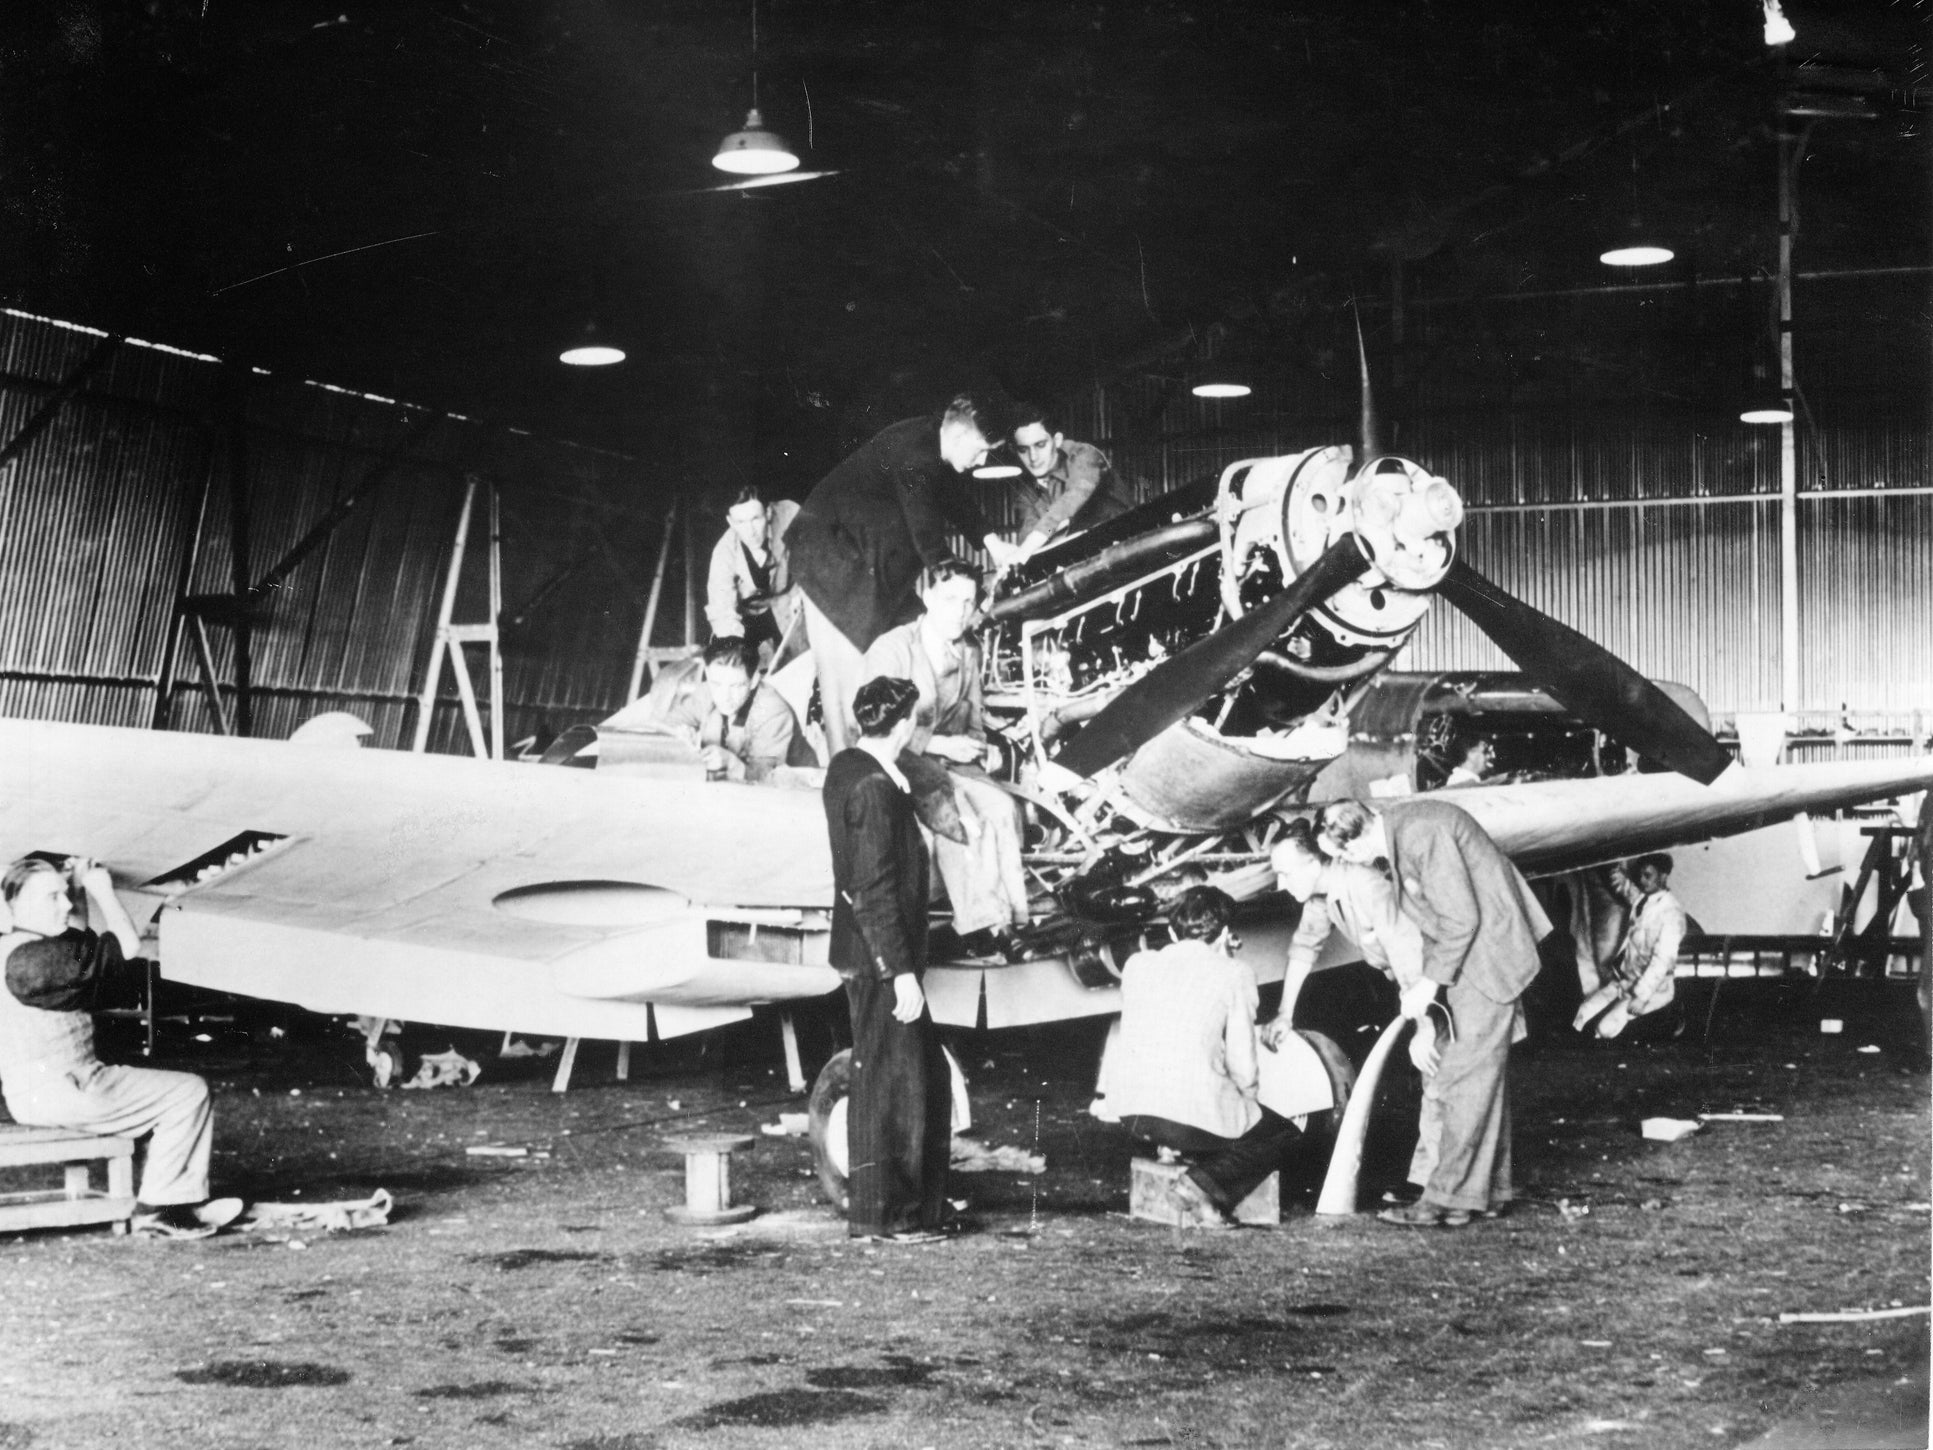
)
(452, 637)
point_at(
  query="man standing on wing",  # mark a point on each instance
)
(1480, 926)
(866, 530)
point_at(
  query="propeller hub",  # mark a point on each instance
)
(1406, 518)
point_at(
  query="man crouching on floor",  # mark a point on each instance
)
(1187, 1077)
(55, 974)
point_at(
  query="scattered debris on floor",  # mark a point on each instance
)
(336, 1217)
(1667, 1130)
(445, 1069)
(970, 1155)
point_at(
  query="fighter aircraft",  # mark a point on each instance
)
(1170, 687)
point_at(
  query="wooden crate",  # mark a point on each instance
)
(1148, 1198)
(76, 1201)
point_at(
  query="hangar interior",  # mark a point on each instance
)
(283, 290)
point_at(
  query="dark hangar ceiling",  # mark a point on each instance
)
(424, 198)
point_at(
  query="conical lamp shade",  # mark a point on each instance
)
(755, 151)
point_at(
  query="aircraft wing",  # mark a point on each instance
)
(434, 888)
(1549, 826)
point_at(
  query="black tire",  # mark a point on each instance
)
(1342, 1081)
(829, 1093)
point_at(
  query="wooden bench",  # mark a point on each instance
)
(76, 1201)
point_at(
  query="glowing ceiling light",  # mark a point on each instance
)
(1221, 390)
(1642, 254)
(1767, 410)
(1778, 30)
(594, 356)
(590, 351)
(755, 151)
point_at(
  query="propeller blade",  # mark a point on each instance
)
(1176, 688)
(1587, 679)
(1370, 436)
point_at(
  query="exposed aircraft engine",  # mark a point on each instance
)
(1064, 647)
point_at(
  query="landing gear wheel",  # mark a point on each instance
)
(1342, 1081)
(826, 1126)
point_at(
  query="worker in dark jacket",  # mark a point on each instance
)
(899, 1114)
(865, 531)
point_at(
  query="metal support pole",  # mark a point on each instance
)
(1788, 443)
(651, 606)
(496, 622)
(691, 584)
(794, 1069)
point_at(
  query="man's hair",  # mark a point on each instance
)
(747, 494)
(1021, 414)
(977, 409)
(1200, 913)
(1660, 859)
(1301, 835)
(20, 871)
(1340, 822)
(1466, 741)
(732, 650)
(951, 567)
(882, 702)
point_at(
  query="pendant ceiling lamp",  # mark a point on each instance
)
(589, 350)
(1773, 408)
(1638, 249)
(754, 150)
(1220, 386)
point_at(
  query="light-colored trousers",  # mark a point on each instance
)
(173, 1107)
(1472, 1169)
(840, 666)
(984, 879)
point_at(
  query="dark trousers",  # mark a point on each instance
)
(1226, 1169)
(899, 1117)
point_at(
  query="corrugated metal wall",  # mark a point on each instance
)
(1645, 528)
(98, 534)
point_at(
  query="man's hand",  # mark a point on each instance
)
(1423, 1050)
(908, 998)
(1417, 997)
(1274, 1033)
(1003, 554)
(960, 749)
(91, 876)
(717, 760)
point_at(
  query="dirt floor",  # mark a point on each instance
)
(1633, 1300)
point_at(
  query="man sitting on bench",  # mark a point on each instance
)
(55, 974)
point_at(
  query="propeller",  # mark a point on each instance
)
(1586, 678)
(1177, 687)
